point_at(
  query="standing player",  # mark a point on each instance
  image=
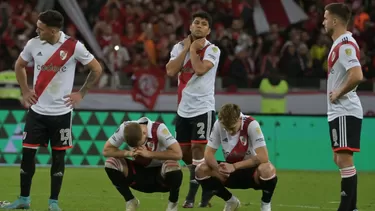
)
(246, 159)
(48, 121)
(345, 112)
(195, 60)
(155, 167)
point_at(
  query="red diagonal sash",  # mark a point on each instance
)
(151, 145)
(238, 153)
(185, 76)
(54, 63)
(334, 55)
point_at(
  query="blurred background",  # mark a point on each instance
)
(273, 64)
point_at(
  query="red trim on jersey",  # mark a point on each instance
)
(345, 149)
(199, 141)
(238, 152)
(58, 58)
(334, 55)
(151, 145)
(185, 76)
(62, 148)
(185, 144)
(30, 145)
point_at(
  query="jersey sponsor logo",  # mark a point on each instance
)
(51, 67)
(348, 51)
(259, 140)
(225, 140)
(212, 56)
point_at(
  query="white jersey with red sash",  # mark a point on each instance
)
(196, 93)
(54, 71)
(158, 139)
(344, 55)
(240, 146)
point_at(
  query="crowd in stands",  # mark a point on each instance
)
(139, 34)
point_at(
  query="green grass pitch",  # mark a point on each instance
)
(88, 189)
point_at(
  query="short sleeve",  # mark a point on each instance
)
(82, 55)
(256, 135)
(214, 140)
(118, 137)
(212, 54)
(348, 56)
(164, 136)
(175, 51)
(26, 53)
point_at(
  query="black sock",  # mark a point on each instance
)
(174, 180)
(213, 184)
(268, 187)
(119, 181)
(57, 172)
(348, 188)
(206, 195)
(27, 170)
(354, 199)
(193, 185)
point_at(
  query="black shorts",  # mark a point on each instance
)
(345, 133)
(243, 179)
(194, 129)
(146, 180)
(41, 130)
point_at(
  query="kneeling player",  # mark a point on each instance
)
(148, 163)
(246, 159)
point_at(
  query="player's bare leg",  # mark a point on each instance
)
(266, 177)
(344, 160)
(172, 174)
(117, 171)
(213, 180)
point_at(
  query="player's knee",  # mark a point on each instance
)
(266, 170)
(114, 163)
(58, 163)
(344, 159)
(170, 166)
(202, 171)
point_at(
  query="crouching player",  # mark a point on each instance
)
(148, 163)
(246, 159)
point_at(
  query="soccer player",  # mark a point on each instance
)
(48, 121)
(195, 60)
(246, 159)
(149, 162)
(345, 112)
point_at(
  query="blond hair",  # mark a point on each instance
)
(229, 114)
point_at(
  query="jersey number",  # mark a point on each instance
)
(65, 137)
(200, 126)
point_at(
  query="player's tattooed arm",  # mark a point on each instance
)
(93, 77)
(261, 157)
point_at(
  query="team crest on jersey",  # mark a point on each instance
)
(243, 140)
(151, 145)
(63, 55)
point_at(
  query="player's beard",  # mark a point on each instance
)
(197, 36)
(330, 32)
